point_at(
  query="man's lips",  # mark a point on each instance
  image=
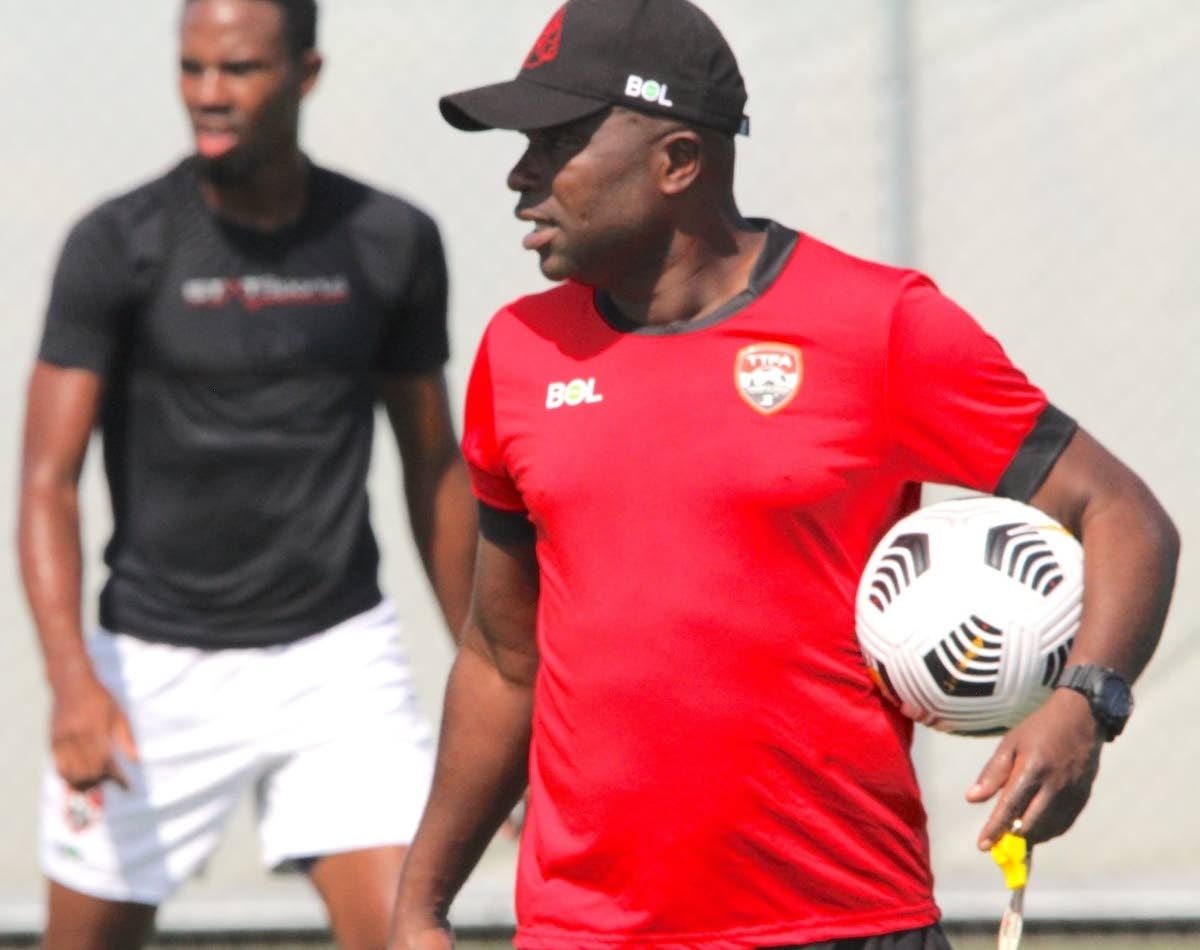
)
(539, 237)
(213, 143)
(542, 234)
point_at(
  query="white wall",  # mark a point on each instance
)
(1055, 151)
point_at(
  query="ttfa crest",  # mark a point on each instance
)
(768, 375)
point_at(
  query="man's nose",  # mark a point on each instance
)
(212, 91)
(524, 174)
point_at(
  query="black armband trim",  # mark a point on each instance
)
(1037, 455)
(505, 527)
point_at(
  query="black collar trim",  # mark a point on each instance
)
(771, 260)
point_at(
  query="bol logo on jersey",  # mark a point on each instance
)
(768, 375)
(577, 392)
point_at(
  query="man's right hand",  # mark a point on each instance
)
(87, 731)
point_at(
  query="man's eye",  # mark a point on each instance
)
(561, 142)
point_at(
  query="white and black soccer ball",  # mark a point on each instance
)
(967, 610)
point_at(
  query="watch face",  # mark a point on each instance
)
(1115, 697)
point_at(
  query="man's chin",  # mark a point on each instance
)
(225, 169)
(555, 269)
(555, 276)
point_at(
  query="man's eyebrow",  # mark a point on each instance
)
(235, 64)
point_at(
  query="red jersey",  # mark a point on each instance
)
(711, 766)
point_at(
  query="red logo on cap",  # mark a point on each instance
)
(546, 47)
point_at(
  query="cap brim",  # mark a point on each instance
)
(516, 104)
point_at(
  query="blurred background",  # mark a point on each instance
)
(1038, 160)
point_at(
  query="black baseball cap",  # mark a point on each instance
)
(663, 57)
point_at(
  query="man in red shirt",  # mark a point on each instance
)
(684, 455)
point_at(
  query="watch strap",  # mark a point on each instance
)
(1089, 679)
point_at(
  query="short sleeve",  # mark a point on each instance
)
(490, 477)
(958, 409)
(92, 294)
(416, 339)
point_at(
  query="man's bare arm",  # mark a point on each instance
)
(86, 724)
(483, 747)
(1043, 770)
(441, 509)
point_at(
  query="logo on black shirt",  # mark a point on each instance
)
(256, 291)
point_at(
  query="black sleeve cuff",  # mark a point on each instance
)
(505, 527)
(1037, 455)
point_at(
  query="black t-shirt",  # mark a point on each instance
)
(240, 382)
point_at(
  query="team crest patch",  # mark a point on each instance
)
(546, 47)
(768, 375)
(82, 809)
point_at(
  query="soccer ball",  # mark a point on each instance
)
(967, 609)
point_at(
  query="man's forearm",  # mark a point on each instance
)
(480, 775)
(441, 508)
(51, 571)
(445, 530)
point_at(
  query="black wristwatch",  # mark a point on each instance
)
(1107, 693)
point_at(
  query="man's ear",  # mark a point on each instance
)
(684, 152)
(310, 69)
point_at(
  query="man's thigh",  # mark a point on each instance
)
(77, 921)
(353, 752)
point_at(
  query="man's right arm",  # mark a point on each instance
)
(484, 744)
(86, 726)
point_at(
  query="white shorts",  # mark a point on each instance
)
(325, 731)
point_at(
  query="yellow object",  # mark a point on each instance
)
(1011, 852)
